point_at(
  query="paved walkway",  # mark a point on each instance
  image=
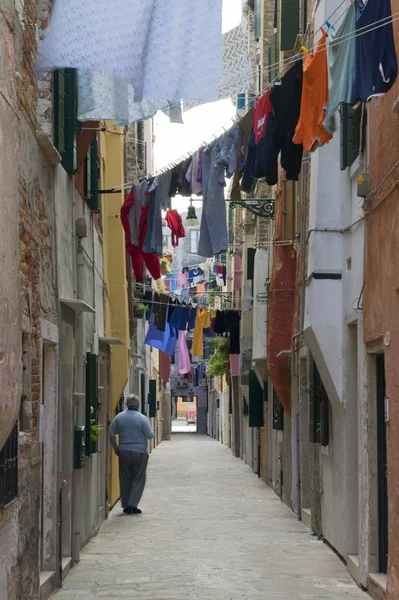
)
(210, 530)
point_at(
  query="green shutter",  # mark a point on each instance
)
(350, 134)
(69, 156)
(251, 263)
(140, 146)
(303, 16)
(91, 176)
(289, 24)
(59, 111)
(91, 400)
(258, 18)
(256, 418)
(278, 413)
(142, 393)
(152, 398)
(275, 57)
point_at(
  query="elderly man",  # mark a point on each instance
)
(133, 431)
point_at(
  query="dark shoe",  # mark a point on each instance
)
(128, 510)
(137, 511)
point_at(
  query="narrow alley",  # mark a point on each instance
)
(210, 530)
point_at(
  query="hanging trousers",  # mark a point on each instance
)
(139, 258)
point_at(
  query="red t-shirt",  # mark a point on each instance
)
(261, 113)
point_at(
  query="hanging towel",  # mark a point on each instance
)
(376, 60)
(310, 131)
(341, 66)
(163, 48)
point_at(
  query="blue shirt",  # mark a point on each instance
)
(133, 430)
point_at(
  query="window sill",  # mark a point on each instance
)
(354, 169)
(325, 450)
(48, 148)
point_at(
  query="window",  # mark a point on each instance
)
(319, 411)
(278, 413)
(152, 398)
(91, 402)
(256, 417)
(288, 24)
(167, 242)
(65, 117)
(258, 18)
(9, 469)
(353, 133)
(194, 240)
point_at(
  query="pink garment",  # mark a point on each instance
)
(182, 281)
(184, 357)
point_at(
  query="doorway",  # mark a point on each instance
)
(185, 414)
(382, 466)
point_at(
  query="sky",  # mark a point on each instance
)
(172, 140)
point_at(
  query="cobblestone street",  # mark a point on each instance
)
(210, 530)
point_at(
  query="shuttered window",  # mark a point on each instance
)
(256, 418)
(319, 411)
(152, 398)
(91, 172)
(350, 130)
(91, 401)
(240, 101)
(9, 469)
(288, 24)
(278, 413)
(251, 263)
(142, 393)
(65, 117)
(258, 18)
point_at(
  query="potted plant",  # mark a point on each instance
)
(219, 361)
(139, 310)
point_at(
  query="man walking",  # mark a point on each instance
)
(133, 431)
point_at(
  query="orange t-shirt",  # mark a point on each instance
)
(310, 131)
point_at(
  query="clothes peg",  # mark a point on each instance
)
(304, 49)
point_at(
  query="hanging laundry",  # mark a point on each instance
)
(153, 242)
(233, 319)
(136, 40)
(165, 341)
(260, 116)
(135, 251)
(286, 102)
(218, 162)
(249, 169)
(184, 366)
(197, 275)
(376, 59)
(220, 323)
(192, 173)
(105, 98)
(185, 313)
(179, 186)
(182, 280)
(310, 131)
(341, 66)
(192, 318)
(160, 311)
(202, 322)
(237, 71)
(201, 290)
(175, 224)
(245, 126)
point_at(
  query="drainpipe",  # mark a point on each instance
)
(79, 412)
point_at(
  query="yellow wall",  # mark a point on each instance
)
(116, 301)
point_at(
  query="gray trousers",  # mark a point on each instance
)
(132, 475)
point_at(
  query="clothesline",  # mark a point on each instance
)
(286, 63)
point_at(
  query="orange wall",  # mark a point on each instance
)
(381, 292)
